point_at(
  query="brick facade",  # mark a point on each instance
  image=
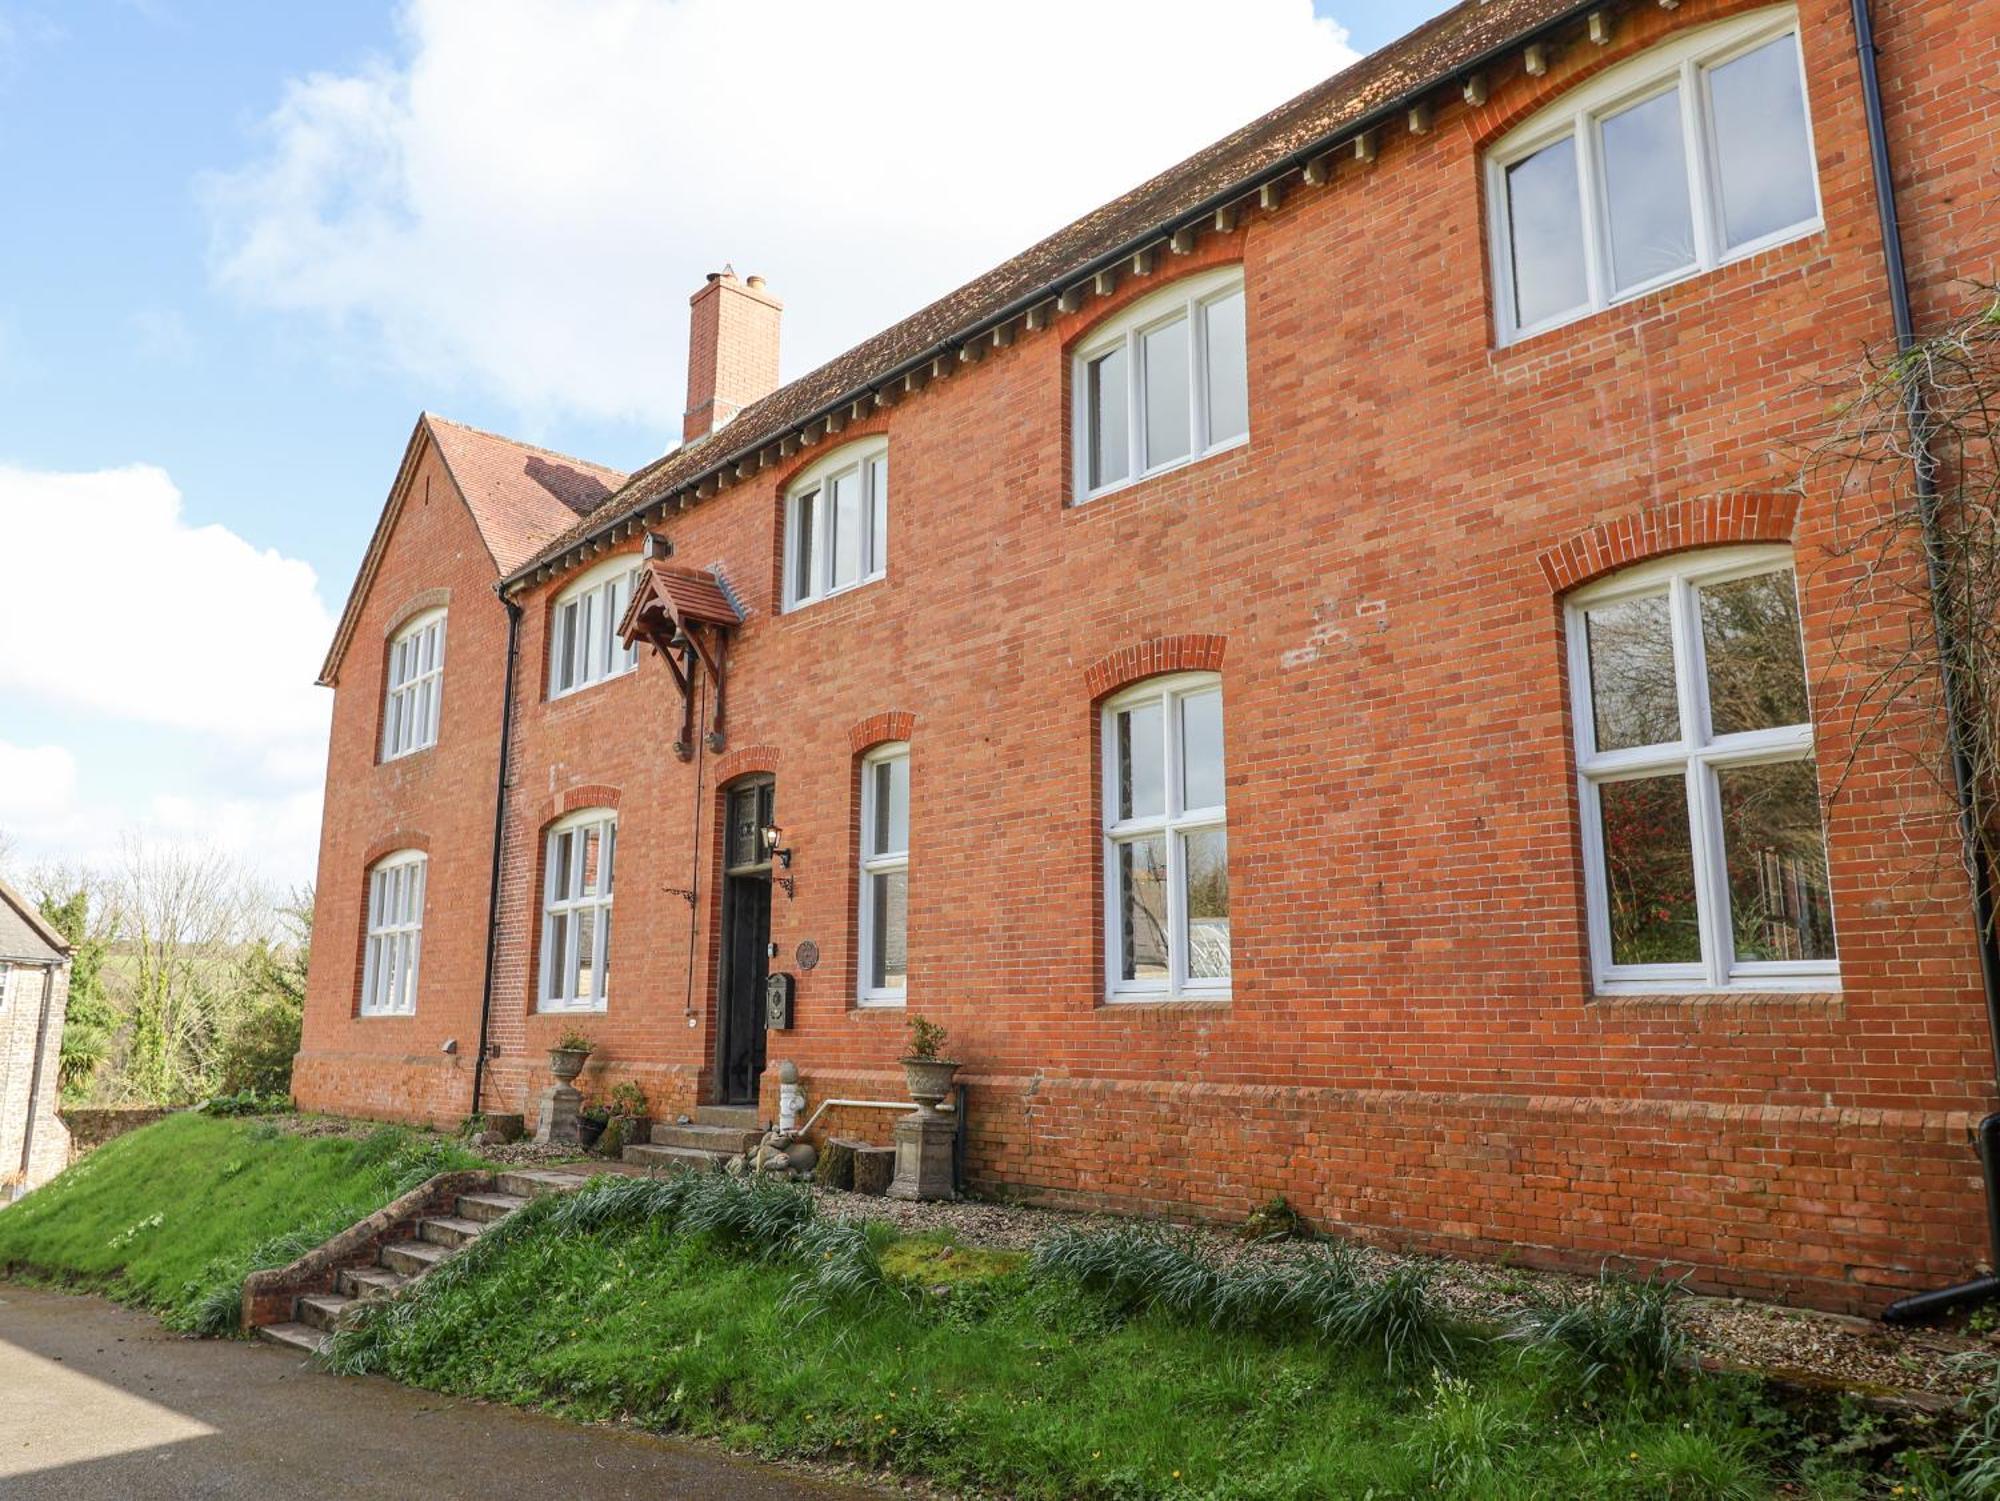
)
(1413, 1048)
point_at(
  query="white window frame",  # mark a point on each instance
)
(563, 907)
(413, 700)
(393, 955)
(879, 862)
(1699, 755)
(1173, 822)
(594, 653)
(1684, 60)
(1187, 299)
(860, 458)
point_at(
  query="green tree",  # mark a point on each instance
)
(262, 1033)
(91, 1020)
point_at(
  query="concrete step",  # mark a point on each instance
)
(530, 1183)
(486, 1208)
(359, 1282)
(412, 1257)
(680, 1159)
(296, 1337)
(323, 1310)
(449, 1230)
(728, 1140)
(741, 1117)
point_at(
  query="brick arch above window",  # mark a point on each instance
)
(880, 729)
(415, 605)
(742, 762)
(576, 799)
(1701, 521)
(390, 844)
(1185, 653)
(1210, 252)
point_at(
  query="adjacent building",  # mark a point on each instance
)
(1321, 675)
(34, 989)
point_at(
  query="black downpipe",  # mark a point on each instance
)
(1920, 1306)
(499, 831)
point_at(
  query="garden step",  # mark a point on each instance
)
(360, 1282)
(323, 1310)
(449, 1230)
(530, 1184)
(487, 1208)
(687, 1159)
(296, 1337)
(741, 1117)
(412, 1257)
(730, 1141)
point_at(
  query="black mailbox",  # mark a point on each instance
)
(778, 1003)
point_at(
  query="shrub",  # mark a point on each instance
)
(1618, 1329)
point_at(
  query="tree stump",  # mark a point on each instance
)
(835, 1168)
(874, 1167)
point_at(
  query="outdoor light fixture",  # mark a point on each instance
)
(771, 834)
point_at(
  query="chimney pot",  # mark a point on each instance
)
(732, 350)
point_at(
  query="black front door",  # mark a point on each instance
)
(746, 943)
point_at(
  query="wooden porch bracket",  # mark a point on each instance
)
(686, 616)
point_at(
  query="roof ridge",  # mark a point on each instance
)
(31, 913)
(521, 443)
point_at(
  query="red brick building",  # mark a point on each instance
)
(1314, 674)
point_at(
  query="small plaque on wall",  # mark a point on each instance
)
(807, 954)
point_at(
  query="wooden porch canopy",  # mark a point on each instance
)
(687, 617)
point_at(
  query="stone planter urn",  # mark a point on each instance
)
(929, 1081)
(567, 1063)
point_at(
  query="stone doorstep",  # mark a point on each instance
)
(730, 1141)
(735, 1117)
(680, 1159)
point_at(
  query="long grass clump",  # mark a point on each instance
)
(1616, 1332)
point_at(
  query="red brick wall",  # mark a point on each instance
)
(1413, 1048)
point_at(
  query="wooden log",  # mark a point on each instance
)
(835, 1168)
(874, 1168)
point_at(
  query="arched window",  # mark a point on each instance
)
(1162, 383)
(395, 934)
(1704, 856)
(1166, 840)
(579, 861)
(837, 523)
(1694, 154)
(583, 628)
(885, 875)
(415, 694)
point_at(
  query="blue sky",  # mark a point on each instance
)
(249, 242)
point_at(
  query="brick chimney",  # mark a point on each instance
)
(732, 350)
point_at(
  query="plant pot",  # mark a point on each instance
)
(638, 1130)
(567, 1063)
(589, 1130)
(929, 1081)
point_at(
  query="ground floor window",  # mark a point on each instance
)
(885, 875)
(395, 934)
(579, 863)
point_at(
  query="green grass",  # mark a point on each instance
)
(977, 1370)
(174, 1216)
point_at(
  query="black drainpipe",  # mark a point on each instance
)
(1925, 1305)
(499, 832)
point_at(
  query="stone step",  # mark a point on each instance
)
(360, 1282)
(412, 1257)
(741, 1117)
(449, 1230)
(531, 1184)
(486, 1208)
(730, 1141)
(681, 1159)
(296, 1337)
(323, 1310)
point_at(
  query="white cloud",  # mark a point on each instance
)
(523, 200)
(36, 782)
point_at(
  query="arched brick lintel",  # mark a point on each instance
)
(583, 795)
(415, 605)
(389, 844)
(880, 729)
(1192, 652)
(1701, 521)
(750, 758)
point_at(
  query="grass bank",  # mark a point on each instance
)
(174, 1216)
(1108, 1368)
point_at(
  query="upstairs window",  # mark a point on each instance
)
(1162, 384)
(837, 523)
(416, 687)
(1166, 841)
(885, 875)
(579, 862)
(1704, 859)
(1694, 155)
(395, 934)
(583, 629)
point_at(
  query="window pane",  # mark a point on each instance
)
(1779, 906)
(1632, 673)
(878, 511)
(846, 528)
(565, 647)
(1201, 750)
(1750, 636)
(1646, 191)
(585, 985)
(559, 867)
(558, 955)
(1142, 907)
(743, 827)
(1649, 871)
(1228, 386)
(1545, 223)
(610, 854)
(1764, 157)
(891, 834)
(592, 839)
(1110, 437)
(890, 902)
(588, 668)
(805, 573)
(1142, 772)
(1167, 416)
(1207, 859)
(604, 955)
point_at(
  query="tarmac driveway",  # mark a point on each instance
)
(98, 1403)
